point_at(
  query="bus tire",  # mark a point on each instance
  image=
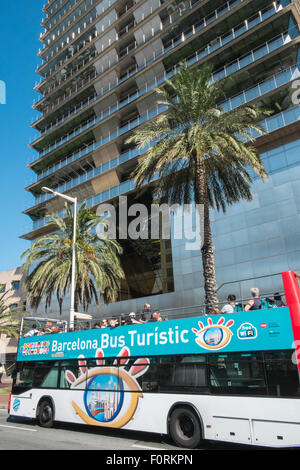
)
(185, 428)
(45, 413)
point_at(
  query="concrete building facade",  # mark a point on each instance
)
(13, 292)
(101, 61)
(12, 282)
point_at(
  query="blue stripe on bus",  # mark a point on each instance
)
(246, 331)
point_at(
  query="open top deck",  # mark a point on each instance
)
(269, 329)
(257, 330)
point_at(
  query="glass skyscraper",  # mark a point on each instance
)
(101, 61)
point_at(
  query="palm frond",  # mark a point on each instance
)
(49, 261)
(197, 152)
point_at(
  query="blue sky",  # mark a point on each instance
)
(19, 43)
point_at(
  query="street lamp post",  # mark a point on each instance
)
(73, 200)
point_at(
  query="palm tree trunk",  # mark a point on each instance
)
(76, 303)
(208, 259)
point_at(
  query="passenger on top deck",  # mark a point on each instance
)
(34, 331)
(133, 320)
(254, 303)
(229, 307)
(278, 301)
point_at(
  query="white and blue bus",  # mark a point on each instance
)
(231, 377)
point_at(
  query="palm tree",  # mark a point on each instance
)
(98, 267)
(9, 324)
(200, 153)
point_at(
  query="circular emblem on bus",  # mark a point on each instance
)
(213, 336)
(105, 403)
(16, 404)
(104, 396)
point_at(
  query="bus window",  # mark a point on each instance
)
(237, 373)
(71, 375)
(190, 375)
(191, 358)
(282, 374)
(166, 373)
(217, 372)
(46, 375)
(23, 377)
(183, 374)
(148, 381)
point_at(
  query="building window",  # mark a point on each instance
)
(15, 285)
(13, 307)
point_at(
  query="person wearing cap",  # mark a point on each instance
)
(133, 320)
(114, 322)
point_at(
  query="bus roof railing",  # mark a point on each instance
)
(40, 322)
(46, 319)
(237, 287)
(89, 322)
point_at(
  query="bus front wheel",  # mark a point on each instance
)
(45, 414)
(184, 428)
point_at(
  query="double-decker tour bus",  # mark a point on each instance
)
(231, 377)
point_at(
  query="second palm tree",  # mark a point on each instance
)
(98, 268)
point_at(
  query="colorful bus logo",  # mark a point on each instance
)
(105, 399)
(213, 336)
(247, 331)
(16, 404)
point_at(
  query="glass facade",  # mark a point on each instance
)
(100, 66)
(147, 263)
